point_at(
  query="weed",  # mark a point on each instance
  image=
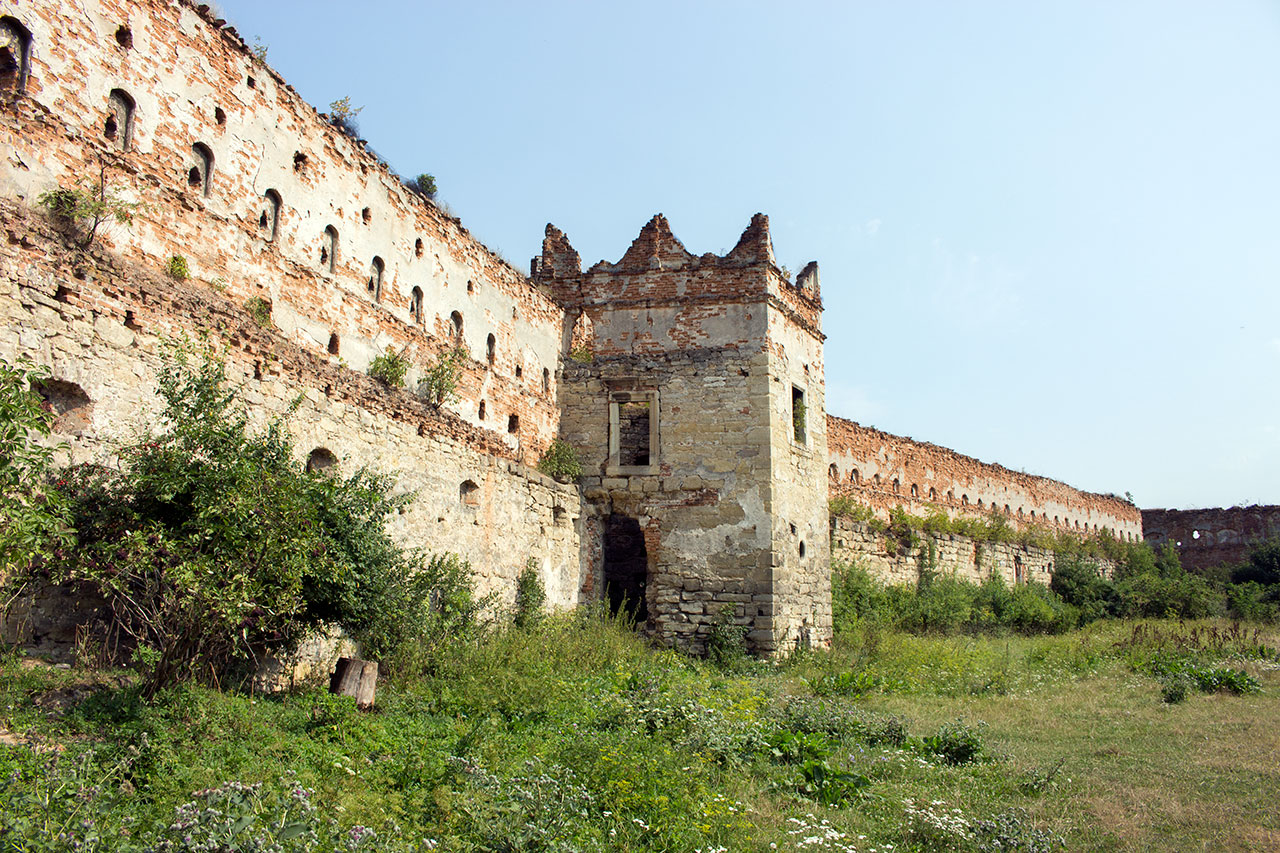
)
(260, 310)
(343, 115)
(531, 596)
(954, 743)
(390, 368)
(176, 268)
(89, 205)
(560, 460)
(439, 382)
(424, 185)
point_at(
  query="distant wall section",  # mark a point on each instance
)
(881, 470)
(1211, 537)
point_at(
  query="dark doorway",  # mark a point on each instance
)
(626, 567)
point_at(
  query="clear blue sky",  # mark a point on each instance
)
(1049, 233)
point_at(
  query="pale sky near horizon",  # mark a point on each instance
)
(1049, 233)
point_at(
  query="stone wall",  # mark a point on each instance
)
(959, 556)
(1211, 537)
(282, 205)
(882, 471)
(97, 322)
(731, 509)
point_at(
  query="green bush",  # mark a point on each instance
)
(560, 460)
(439, 384)
(260, 310)
(1078, 582)
(1158, 596)
(390, 368)
(176, 268)
(89, 205)
(954, 743)
(424, 185)
(213, 545)
(531, 596)
(33, 515)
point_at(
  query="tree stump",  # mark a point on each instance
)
(356, 678)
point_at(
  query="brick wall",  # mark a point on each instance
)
(1211, 537)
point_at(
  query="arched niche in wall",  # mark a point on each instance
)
(415, 305)
(833, 471)
(118, 126)
(455, 320)
(71, 406)
(269, 215)
(15, 54)
(329, 248)
(491, 349)
(376, 269)
(200, 174)
(320, 459)
(469, 493)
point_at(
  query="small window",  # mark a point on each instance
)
(876, 481)
(491, 349)
(417, 248)
(980, 503)
(15, 54)
(799, 414)
(415, 305)
(964, 500)
(513, 424)
(633, 432)
(915, 490)
(329, 248)
(333, 343)
(299, 162)
(951, 496)
(896, 485)
(481, 412)
(933, 494)
(1006, 510)
(219, 116)
(546, 380)
(124, 36)
(455, 319)
(471, 287)
(519, 371)
(200, 175)
(269, 216)
(469, 493)
(253, 84)
(833, 472)
(855, 476)
(366, 215)
(321, 459)
(118, 127)
(376, 270)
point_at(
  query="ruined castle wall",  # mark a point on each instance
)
(97, 324)
(1211, 537)
(798, 464)
(883, 471)
(891, 561)
(194, 83)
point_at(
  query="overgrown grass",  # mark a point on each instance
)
(572, 734)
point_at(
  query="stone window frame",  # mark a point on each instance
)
(613, 467)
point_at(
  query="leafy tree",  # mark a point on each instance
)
(424, 184)
(89, 205)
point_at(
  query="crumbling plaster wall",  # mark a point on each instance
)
(882, 471)
(194, 81)
(1211, 537)
(97, 323)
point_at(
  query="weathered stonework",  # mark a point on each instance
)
(956, 556)
(1211, 537)
(691, 386)
(883, 471)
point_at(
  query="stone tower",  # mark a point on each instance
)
(692, 388)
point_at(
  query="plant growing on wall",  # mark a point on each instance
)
(343, 115)
(260, 310)
(89, 205)
(439, 384)
(390, 368)
(176, 268)
(560, 461)
(424, 184)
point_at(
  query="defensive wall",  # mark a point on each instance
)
(883, 471)
(1211, 537)
(692, 386)
(887, 557)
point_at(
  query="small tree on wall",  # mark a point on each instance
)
(88, 205)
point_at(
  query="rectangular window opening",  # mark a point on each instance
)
(798, 413)
(633, 433)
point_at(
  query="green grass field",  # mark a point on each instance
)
(575, 735)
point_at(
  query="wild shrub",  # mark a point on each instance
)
(33, 515)
(531, 596)
(343, 116)
(89, 205)
(424, 185)
(855, 596)
(848, 507)
(954, 743)
(390, 368)
(177, 269)
(439, 382)
(212, 544)
(560, 460)
(260, 310)
(727, 642)
(1078, 582)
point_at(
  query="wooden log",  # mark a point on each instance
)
(355, 678)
